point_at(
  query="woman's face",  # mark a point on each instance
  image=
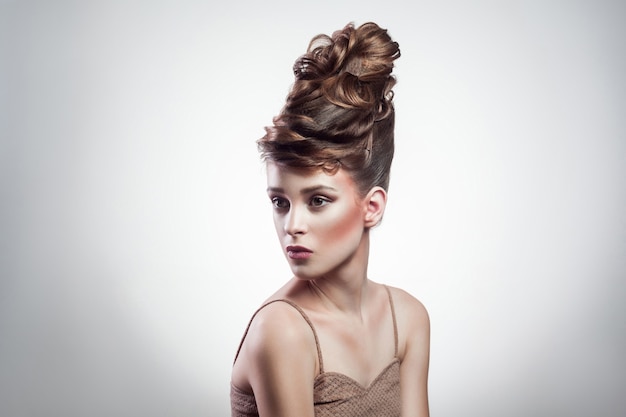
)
(319, 218)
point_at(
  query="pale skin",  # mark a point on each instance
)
(323, 224)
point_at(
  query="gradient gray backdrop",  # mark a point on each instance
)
(136, 238)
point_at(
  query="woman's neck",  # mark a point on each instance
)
(345, 289)
(339, 297)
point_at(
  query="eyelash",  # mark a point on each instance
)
(316, 201)
(278, 200)
(319, 199)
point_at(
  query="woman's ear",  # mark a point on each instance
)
(375, 203)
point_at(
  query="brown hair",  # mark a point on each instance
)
(339, 112)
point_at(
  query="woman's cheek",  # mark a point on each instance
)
(343, 224)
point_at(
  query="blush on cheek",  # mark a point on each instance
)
(345, 225)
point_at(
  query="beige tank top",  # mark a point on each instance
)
(336, 394)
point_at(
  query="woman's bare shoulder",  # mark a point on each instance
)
(410, 311)
(413, 332)
(278, 324)
(278, 338)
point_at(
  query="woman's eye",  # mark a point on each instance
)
(318, 201)
(279, 203)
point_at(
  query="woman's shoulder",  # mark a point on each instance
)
(413, 322)
(277, 337)
(280, 326)
(278, 319)
(409, 309)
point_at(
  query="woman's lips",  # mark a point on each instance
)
(298, 252)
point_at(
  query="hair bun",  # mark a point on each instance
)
(352, 68)
(339, 111)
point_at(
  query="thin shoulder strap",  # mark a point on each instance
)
(302, 313)
(395, 324)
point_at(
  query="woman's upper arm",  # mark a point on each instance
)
(416, 356)
(282, 354)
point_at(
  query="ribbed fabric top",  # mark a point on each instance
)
(336, 394)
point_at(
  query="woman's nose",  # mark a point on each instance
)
(295, 223)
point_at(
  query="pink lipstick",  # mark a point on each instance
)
(298, 252)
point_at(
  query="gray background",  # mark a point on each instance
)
(136, 239)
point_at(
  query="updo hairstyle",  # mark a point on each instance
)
(339, 112)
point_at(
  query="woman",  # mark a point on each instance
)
(332, 342)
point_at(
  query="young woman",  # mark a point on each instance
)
(332, 342)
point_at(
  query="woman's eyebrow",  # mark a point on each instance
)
(315, 188)
(275, 190)
(306, 190)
